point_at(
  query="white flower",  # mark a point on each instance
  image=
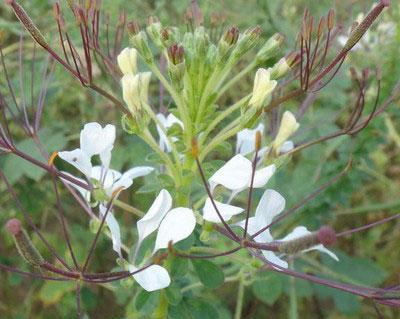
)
(235, 175)
(173, 225)
(127, 61)
(167, 122)
(262, 88)
(152, 278)
(135, 90)
(272, 204)
(246, 139)
(94, 140)
(113, 226)
(246, 142)
(287, 128)
(226, 211)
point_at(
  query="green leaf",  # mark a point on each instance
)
(209, 274)
(173, 294)
(52, 291)
(267, 288)
(52, 140)
(179, 267)
(141, 299)
(201, 309)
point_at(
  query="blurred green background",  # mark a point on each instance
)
(369, 192)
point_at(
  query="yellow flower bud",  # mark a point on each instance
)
(288, 126)
(135, 90)
(263, 86)
(127, 61)
(280, 69)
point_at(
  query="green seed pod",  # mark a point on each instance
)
(24, 244)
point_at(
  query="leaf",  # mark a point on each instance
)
(173, 294)
(52, 140)
(52, 291)
(201, 309)
(267, 288)
(179, 267)
(146, 301)
(209, 274)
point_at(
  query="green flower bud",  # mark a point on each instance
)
(270, 48)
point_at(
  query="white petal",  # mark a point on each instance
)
(234, 175)
(323, 249)
(95, 139)
(246, 138)
(105, 156)
(253, 227)
(263, 175)
(150, 222)
(127, 178)
(270, 205)
(226, 211)
(166, 122)
(78, 159)
(84, 192)
(286, 147)
(271, 257)
(177, 225)
(152, 278)
(107, 177)
(113, 226)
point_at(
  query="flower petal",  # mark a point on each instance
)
(150, 222)
(246, 139)
(152, 278)
(226, 211)
(271, 257)
(263, 175)
(113, 226)
(287, 146)
(167, 122)
(127, 178)
(107, 177)
(94, 139)
(78, 159)
(84, 192)
(253, 227)
(270, 205)
(234, 175)
(177, 225)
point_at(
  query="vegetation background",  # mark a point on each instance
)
(369, 192)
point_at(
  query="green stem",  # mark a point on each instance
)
(221, 137)
(239, 300)
(223, 115)
(128, 208)
(237, 78)
(370, 208)
(293, 296)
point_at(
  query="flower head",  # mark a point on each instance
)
(127, 61)
(271, 205)
(288, 126)
(263, 86)
(235, 175)
(167, 122)
(135, 90)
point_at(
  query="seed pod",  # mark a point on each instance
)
(23, 243)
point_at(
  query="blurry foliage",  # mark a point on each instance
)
(374, 179)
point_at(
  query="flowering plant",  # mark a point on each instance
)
(201, 208)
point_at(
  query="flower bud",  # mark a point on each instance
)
(139, 41)
(23, 243)
(283, 66)
(135, 90)
(231, 36)
(127, 61)
(247, 41)
(288, 126)
(133, 28)
(176, 54)
(154, 29)
(270, 48)
(263, 86)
